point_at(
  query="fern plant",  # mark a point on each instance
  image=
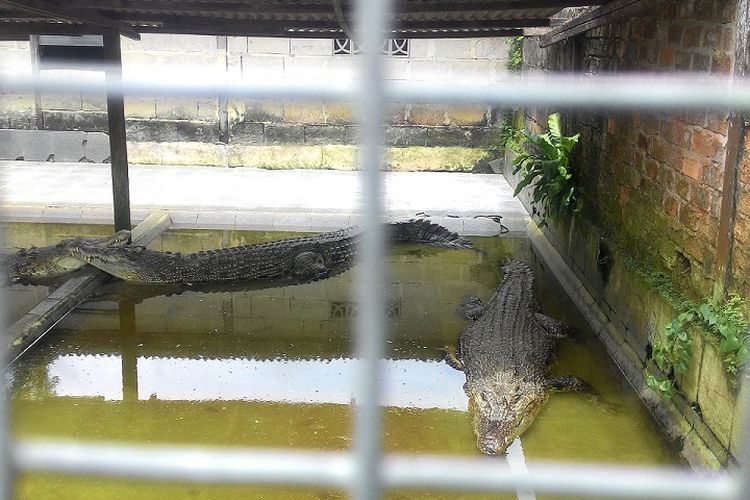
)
(548, 170)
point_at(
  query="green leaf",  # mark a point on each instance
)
(555, 128)
(524, 182)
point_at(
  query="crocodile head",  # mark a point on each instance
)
(120, 262)
(31, 265)
(502, 410)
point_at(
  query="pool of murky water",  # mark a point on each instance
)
(274, 368)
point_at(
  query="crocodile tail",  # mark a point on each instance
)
(425, 232)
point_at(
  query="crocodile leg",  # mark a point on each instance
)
(311, 264)
(450, 356)
(552, 327)
(569, 383)
(471, 308)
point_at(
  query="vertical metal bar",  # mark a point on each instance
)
(222, 43)
(118, 151)
(370, 292)
(6, 465)
(34, 48)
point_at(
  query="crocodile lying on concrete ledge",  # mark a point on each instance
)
(33, 264)
(505, 354)
(305, 258)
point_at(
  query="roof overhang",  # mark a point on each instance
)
(274, 18)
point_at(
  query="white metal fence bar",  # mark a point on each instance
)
(645, 91)
(337, 470)
(370, 286)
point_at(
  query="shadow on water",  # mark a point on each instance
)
(273, 368)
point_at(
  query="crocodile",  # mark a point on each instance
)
(505, 354)
(304, 258)
(36, 264)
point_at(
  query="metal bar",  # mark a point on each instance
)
(633, 91)
(336, 469)
(118, 148)
(370, 22)
(7, 466)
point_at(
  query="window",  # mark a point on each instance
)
(398, 47)
(62, 51)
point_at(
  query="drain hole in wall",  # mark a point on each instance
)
(603, 261)
(683, 264)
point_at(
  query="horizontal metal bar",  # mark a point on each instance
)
(212, 465)
(606, 92)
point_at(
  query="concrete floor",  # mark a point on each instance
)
(250, 198)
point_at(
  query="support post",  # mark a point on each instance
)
(118, 151)
(34, 47)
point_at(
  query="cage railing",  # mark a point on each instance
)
(364, 471)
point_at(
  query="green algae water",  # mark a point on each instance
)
(273, 368)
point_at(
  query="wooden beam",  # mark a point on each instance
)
(118, 147)
(593, 19)
(45, 315)
(46, 8)
(734, 150)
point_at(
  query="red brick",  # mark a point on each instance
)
(666, 178)
(701, 63)
(649, 29)
(742, 230)
(743, 204)
(652, 169)
(706, 143)
(712, 37)
(691, 37)
(682, 60)
(745, 171)
(675, 32)
(721, 62)
(676, 133)
(727, 39)
(671, 206)
(683, 187)
(624, 196)
(713, 175)
(691, 168)
(611, 126)
(643, 141)
(689, 217)
(666, 57)
(665, 152)
(702, 197)
(717, 122)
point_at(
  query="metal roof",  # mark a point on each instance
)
(275, 18)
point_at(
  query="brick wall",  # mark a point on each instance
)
(653, 181)
(652, 186)
(741, 248)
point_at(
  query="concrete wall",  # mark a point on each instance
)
(263, 133)
(651, 185)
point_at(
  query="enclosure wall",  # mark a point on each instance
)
(654, 198)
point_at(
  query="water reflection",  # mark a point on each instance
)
(407, 383)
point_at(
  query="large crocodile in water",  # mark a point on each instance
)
(302, 259)
(505, 353)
